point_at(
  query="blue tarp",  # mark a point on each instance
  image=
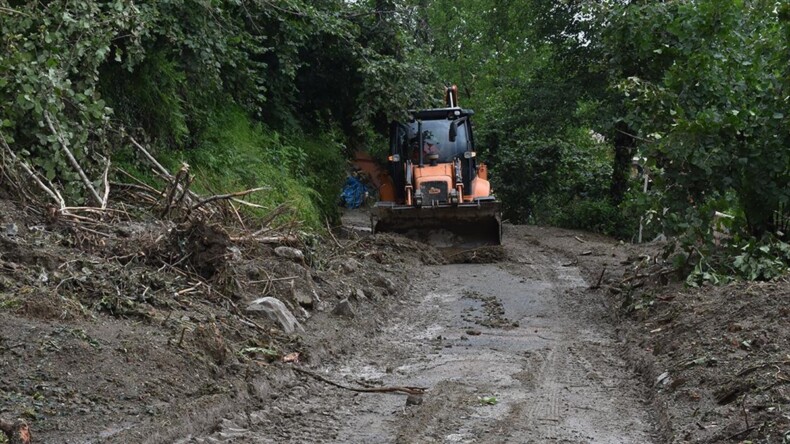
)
(353, 194)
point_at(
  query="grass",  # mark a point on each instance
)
(234, 153)
(9, 303)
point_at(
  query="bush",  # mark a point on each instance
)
(235, 153)
(592, 215)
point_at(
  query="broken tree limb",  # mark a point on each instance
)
(175, 187)
(162, 171)
(247, 204)
(65, 147)
(49, 191)
(225, 196)
(284, 239)
(150, 158)
(404, 390)
(106, 182)
(600, 279)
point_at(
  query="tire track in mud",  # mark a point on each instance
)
(555, 372)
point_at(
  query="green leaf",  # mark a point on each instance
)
(488, 400)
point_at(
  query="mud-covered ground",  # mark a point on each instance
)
(559, 336)
(715, 360)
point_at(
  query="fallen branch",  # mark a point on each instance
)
(72, 160)
(225, 196)
(161, 170)
(55, 196)
(175, 187)
(405, 390)
(106, 197)
(329, 230)
(247, 204)
(151, 158)
(600, 279)
(280, 209)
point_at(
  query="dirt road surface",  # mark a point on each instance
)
(516, 351)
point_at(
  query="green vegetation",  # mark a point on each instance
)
(575, 97)
(254, 93)
(576, 101)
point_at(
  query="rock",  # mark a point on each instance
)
(413, 400)
(387, 284)
(349, 265)
(358, 294)
(344, 309)
(11, 229)
(274, 310)
(289, 253)
(473, 332)
(305, 297)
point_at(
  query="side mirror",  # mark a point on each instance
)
(453, 130)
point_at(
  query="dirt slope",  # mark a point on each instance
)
(713, 359)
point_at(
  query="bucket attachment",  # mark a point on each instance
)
(471, 224)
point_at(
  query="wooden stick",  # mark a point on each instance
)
(600, 278)
(329, 229)
(238, 216)
(151, 158)
(225, 196)
(245, 203)
(406, 390)
(106, 182)
(74, 163)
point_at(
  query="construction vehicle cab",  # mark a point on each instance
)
(437, 182)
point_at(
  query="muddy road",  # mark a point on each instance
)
(516, 351)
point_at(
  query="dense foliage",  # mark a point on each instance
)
(580, 105)
(189, 76)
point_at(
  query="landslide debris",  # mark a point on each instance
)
(112, 328)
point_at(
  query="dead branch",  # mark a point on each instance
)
(162, 171)
(238, 216)
(405, 390)
(225, 196)
(151, 158)
(600, 279)
(72, 160)
(247, 204)
(49, 191)
(106, 196)
(284, 239)
(329, 230)
(175, 187)
(279, 210)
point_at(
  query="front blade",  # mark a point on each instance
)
(470, 224)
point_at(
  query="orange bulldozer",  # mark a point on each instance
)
(435, 182)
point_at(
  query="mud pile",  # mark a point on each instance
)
(109, 335)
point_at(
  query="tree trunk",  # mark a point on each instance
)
(624, 147)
